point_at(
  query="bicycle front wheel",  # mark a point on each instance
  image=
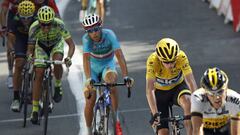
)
(25, 98)
(106, 120)
(45, 107)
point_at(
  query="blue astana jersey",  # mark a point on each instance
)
(103, 51)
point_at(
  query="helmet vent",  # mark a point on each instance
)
(168, 44)
(162, 52)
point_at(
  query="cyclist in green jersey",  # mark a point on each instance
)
(46, 40)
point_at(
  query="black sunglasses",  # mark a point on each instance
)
(25, 17)
(169, 62)
(94, 29)
(45, 24)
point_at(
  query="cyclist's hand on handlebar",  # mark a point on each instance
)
(11, 52)
(68, 61)
(29, 58)
(89, 87)
(155, 120)
(3, 31)
(89, 83)
(129, 81)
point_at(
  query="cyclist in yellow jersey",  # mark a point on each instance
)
(215, 108)
(46, 40)
(168, 80)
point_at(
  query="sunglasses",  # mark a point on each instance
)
(45, 24)
(169, 62)
(215, 93)
(94, 29)
(25, 17)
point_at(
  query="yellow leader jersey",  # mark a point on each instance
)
(167, 79)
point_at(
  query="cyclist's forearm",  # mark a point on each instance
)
(122, 62)
(235, 126)
(191, 82)
(197, 125)
(30, 50)
(86, 65)
(11, 41)
(151, 102)
(3, 14)
(71, 47)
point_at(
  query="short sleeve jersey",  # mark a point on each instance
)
(102, 51)
(18, 27)
(12, 5)
(215, 118)
(54, 36)
(167, 79)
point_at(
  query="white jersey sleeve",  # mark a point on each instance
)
(197, 104)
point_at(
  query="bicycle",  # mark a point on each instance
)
(102, 109)
(25, 91)
(175, 122)
(46, 102)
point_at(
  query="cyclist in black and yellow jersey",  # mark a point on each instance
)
(168, 80)
(18, 39)
(214, 107)
(46, 40)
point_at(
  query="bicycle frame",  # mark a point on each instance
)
(26, 87)
(175, 122)
(103, 108)
(47, 90)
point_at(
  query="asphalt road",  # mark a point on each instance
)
(139, 24)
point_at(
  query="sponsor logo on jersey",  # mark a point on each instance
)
(234, 100)
(165, 82)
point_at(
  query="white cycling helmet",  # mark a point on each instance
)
(91, 21)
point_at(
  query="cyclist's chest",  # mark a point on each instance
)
(51, 35)
(101, 47)
(21, 28)
(165, 73)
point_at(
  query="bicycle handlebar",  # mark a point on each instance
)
(176, 118)
(112, 85)
(55, 62)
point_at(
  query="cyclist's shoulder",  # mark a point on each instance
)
(232, 95)
(153, 57)
(108, 32)
(182, 55)
(199, 95)
(58, 22)
(34, 25)
(85, 37)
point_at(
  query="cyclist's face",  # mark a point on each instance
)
(26, 20)
(169, 65)
(95, 33)
(217, 99)
(45, 27)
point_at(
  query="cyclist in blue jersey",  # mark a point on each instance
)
(99, 48)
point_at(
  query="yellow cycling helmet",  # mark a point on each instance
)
(167, 49)
(46, 14)
(214, 79)
(26, 8)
